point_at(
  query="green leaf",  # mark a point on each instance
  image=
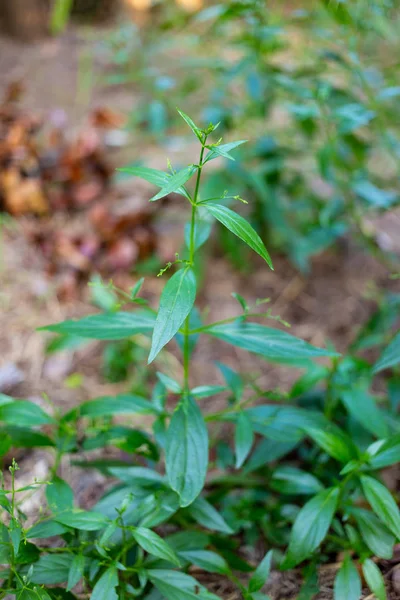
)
(374, 533)
(233, 379)
(390, 356)
(382, 503)
(205, 391)
(294, 481)
(140, 476)
(240, 227)
(5, 547)
(105, 587)
(153, 544)
(374, 579)
(59, 16)
(175, 182)
(335, 443)
(46, 529)
(108, 406)
(386, 454)
(174, 585)
(206, 515)
(206, 560)
(158, 178)
(196, 130)
(51, 569)
(82, 520)
(347, 582)
(176, 302)
(59, 495)
(23, 437)
(311, 526)
(363, 409)
(223, 150)
(244, 438)
(76, 571)
(15, 532)
(270, 343)
(24, 413)
(170, 384)
(187, 452)
(202, 231)
(260, 576)
(107, 326)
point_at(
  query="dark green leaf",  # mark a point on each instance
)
(105, 587)
(206, 515)
(108, 326)
(206, 560)
(363, 409)
(153, 544)
(335, 443)
(240, 227)
(244, 438)
(347, 582)
(294, 481)
(140, 476)
(175, 182)
(46, 529)
(260, 576)
(114, 405)
(385, 452)
(272, 344)
(311, 526)
(176, 302)
(374, 578)
(76, 571)
(59, 495)
(390, 356)
(374, 533)
(187, 451)
(382, 503)
(51, 569)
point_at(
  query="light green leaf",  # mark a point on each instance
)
(176, 302)
(174, 585)
(390, 356)
(347, 582)
(363, 409)
(382, 503)
(59, 495)
(374, 578)
(311, 526)
(170, 384)
(374, 533)
(175, 182)
(272, 344)
(223, 150)
(244, 438)
(187, 452)
(140, 476)
(196, 130)
(260, 576)
(205, 391)
(153, 544)
(105, 587)
(207, 516)
(82, 520)
(114, 405)
(206, 560)
(46, 529)
(240, 227)
(107, 326)
(158, 178)
(24, 413)
(388, 452)
(76, 571)
(202, 231)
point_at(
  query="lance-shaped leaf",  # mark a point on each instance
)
(187, 452)
(154, 176)
(347, 582)
(382, 503)
(175, 182)
(390, 356)
(107, 326)
(244, 438)
(196, 130)
(223, 150)
(272, 344)
(374, 578)
(240, 227)
(176, 302)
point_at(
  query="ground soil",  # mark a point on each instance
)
(329, 304)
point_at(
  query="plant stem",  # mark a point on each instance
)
(192, 249)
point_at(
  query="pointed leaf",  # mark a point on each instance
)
(176, 302)
(206, 560)
(105, 587)
(390, 356)
(261, 574)
(363, 409)
(24, 413)
(244, 438)
(59, 495)
(311, 526)
(374, 578)
(76, 571)
(82, 520)
(174, 585)
(374, 533)
(347, 582)
(382, 503)
(175, 182)
(206, 515)
(223, 150)
(240, 227)
(187, 452)
(196, 130)
(153, 544)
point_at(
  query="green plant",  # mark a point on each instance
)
(324, 441)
